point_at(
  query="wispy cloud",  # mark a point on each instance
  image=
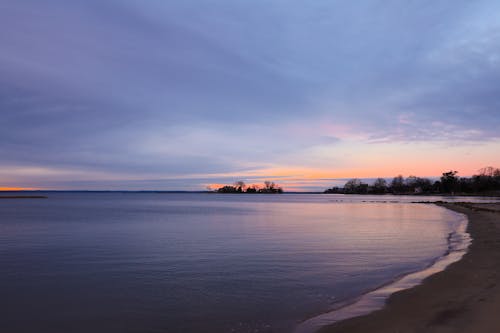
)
(158, 90)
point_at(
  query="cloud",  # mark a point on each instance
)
(159, 89)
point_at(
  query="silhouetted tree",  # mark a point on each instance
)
(486, 182)
(466, 185)
(334, 189)
(355, 186)
(379, 186)
(228, 189)
(240, 185)
(423, 185)
(270, 187)
(436, 187)
(488, 179)
(449, 182)
(251, 189)
(352, 185)
(411, 183)
(417, 185)
(398, 185)
(489, 171)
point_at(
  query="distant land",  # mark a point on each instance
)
(23, 197)
(486, 182)
(241, 187)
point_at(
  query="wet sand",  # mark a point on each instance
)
(463, 298)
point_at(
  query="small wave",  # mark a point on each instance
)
(458, 243)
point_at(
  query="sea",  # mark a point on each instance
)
(120, 262)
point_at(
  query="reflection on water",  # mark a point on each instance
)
(131, 262)
(458, 243)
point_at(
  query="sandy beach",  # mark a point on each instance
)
(463, 298)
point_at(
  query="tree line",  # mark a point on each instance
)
(487, 182)
(241, 187)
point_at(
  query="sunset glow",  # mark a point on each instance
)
(190, 95)
(4, 189)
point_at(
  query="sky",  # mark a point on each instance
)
(182, 95)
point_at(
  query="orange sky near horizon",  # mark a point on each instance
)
(298, 178)
(341, 90)
(319, 167)
(10, 189)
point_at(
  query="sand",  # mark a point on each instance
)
(463, 298)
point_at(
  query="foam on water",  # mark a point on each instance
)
(458, 243)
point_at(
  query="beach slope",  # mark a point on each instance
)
(463, 298)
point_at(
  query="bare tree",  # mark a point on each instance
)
(398, 184)
(355, 186)
(240, 185)
(380, 185)
(487, 171)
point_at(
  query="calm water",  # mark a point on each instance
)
(129, 262)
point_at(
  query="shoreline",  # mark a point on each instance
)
(464, 297)
(23, 197)
(375, 299)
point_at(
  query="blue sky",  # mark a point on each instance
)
(183, 94)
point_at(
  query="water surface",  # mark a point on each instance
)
(156, 262)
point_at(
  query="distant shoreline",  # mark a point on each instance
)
(23, 197)
(463, 298)
(486, 194)
(20, 192)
